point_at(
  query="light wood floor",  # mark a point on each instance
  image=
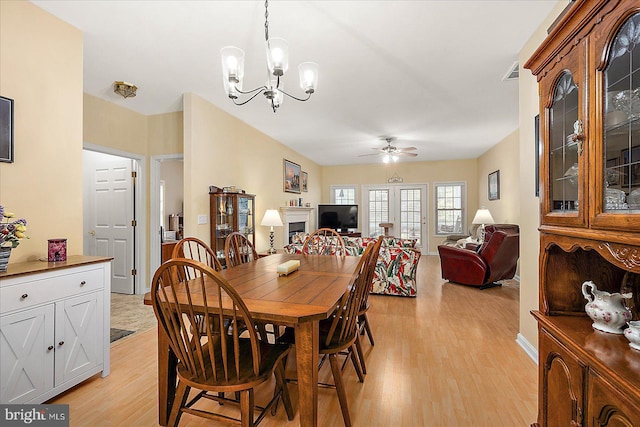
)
(446, 358)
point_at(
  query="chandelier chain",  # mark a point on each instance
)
(266, 20)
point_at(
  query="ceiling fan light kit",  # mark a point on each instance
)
(277, 65)
(391, 153)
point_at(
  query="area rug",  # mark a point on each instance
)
(116, 334)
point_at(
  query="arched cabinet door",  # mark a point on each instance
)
(564, 124)
(616, 166)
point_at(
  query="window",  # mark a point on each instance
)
(378, 211)
(343, 195)
(450, 208)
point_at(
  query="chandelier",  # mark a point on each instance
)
(277, 65)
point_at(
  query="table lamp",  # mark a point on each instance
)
(483, 217)
(271, 219)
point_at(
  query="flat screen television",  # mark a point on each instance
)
(338, 217)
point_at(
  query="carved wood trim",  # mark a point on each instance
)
(628, 256)
(583, 27)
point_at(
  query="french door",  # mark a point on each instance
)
(402, 206)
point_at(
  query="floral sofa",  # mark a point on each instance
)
(396, 267)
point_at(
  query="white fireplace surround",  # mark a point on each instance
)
(292, 214)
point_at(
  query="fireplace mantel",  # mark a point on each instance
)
(295, 214)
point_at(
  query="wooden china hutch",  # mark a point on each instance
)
(588, 70)
(230, 212)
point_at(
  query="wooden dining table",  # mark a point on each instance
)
(300, 300)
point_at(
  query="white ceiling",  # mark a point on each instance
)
(427, 72)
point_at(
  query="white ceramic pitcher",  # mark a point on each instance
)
(606, 309)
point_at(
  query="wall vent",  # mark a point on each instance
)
(513, 73)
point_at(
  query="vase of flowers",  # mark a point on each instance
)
(11, 232)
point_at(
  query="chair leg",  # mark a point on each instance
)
(182, 392)
(361, 355)
(282, 385)
(356, 362)
(342, 395)
(367, 328)
(246, 408)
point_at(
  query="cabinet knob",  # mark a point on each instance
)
(24, 296)
(83, 283)
(50, 348)
(61, 343)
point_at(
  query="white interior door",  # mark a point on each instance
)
(109, 217)
(401, 205)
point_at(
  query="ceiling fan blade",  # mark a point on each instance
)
(407, 148)
(367, 155)
(400, 153)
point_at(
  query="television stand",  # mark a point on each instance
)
(350, 233)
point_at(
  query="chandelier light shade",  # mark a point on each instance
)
(124, 89)
(277, 66)
(271, 219)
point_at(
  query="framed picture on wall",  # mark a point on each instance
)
(6, 130)
(291, 177)
(494, 185)
(305, 178)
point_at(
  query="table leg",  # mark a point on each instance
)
(307, 348)
(166, 378)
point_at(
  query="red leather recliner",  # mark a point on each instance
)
(495, 260)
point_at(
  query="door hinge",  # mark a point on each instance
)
(134, 272)
(134, 223)
(134, 174)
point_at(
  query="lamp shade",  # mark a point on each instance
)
(271, 218)
(483, 216)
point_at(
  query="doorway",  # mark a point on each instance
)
(164, 200)
(113, 214)
(402, 206)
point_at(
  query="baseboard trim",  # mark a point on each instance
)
(531, 351)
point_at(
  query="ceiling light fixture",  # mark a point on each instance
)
(277, 65)
(124, 89)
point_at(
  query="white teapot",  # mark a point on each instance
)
(606, 309)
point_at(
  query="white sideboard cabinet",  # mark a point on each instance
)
(54, 326)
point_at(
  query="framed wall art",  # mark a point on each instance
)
(291, 177)
(494, 185)
(6, 130)
(305, 178)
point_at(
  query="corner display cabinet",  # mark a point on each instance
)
(230, 212)
(588, 70)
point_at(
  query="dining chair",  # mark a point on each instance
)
(218, 361)
(363, 319)
(339, 332)
(324, 241)
(196, 249)
(238, 250)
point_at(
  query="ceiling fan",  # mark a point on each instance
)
(390, 152)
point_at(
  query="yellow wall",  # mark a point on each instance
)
(41, 70)
(411, 173)
(226, 151)
(504, 156)
(529, 204)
